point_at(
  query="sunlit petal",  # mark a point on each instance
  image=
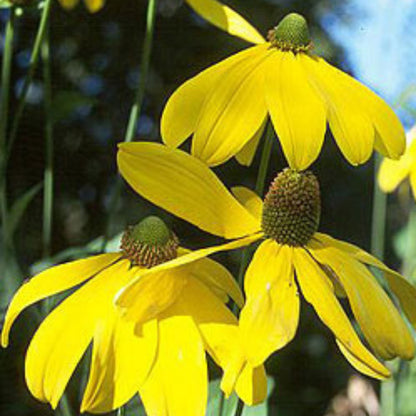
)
(250, 200)
(51, 281)
(270, 316)
(297, 112)
(392, 172)
(184, 186)
(318, 290)
(226, 19)
(349, 121)
(226, 123)
(70, 326)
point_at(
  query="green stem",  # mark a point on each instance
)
(239, 409)
(4, 114)
(120, 411)
(409, 262)
(48, 171)
(34, 59)
(378, 225)
(137, 105)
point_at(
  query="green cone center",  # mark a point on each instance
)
(149, 243)
(291, 34)
(292, 208)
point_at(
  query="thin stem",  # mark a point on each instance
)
(378, 225)
(120, 411)
(48, 171)
(409, 262)
(265, 159)
(34, 59)
(4, 114)
(240, 408)
(137, 105)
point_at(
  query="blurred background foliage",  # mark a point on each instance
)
(95, 70)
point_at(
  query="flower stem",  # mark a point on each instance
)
(137, 106)
(4, 113)
(34, 59)
(379, 215)
(48, 170)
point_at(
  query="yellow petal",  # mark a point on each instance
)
(51, 281)
(251, 386)
(152, 294)
(270, 316)
(318, 291)
(62, 338)
(123, 295)
(297, 112)
(392, 172)
(379, 320)
(388, 136)
(178, 382)
(250, 200)
(184, 186)
(402, 289)
(413, 181)
(121, 361)
(94, 5)
(180, 115)
(350, 124)
(233, 111)
(246, 155)
(217, 278)
(226, 19)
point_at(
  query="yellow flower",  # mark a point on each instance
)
(292, 256)
(93, 6)
(157, 348)
(226, 106)
(393, 172)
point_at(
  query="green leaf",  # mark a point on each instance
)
(19, 207)
(65, 103)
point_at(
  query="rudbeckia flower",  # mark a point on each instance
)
(394, 172)
(292, 257)
(226, 106)
(157, 348)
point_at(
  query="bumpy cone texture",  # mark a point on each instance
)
(149, 243)
(292, 208)
(291, 34)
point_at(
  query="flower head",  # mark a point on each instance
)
(226, 106)
(157, 347)
(394, 172)
(292, 257)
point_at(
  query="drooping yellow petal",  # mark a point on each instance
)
(270, 316)
(246, 155)
(379, 320)
(180, 115)
(51, 281)
(178, 382)
(216, 277)
(250, 200)
(350, 123)
(402, 289)
(318, 291)
(251, 386)
(94, 5)
(297, 112)
(392, 172)
(413, 181)
(121, 361)
(180, 261)
(152, 294)
(64, 335)
(184, 186)
(226, 19)
(389, 136)
(233, 111)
